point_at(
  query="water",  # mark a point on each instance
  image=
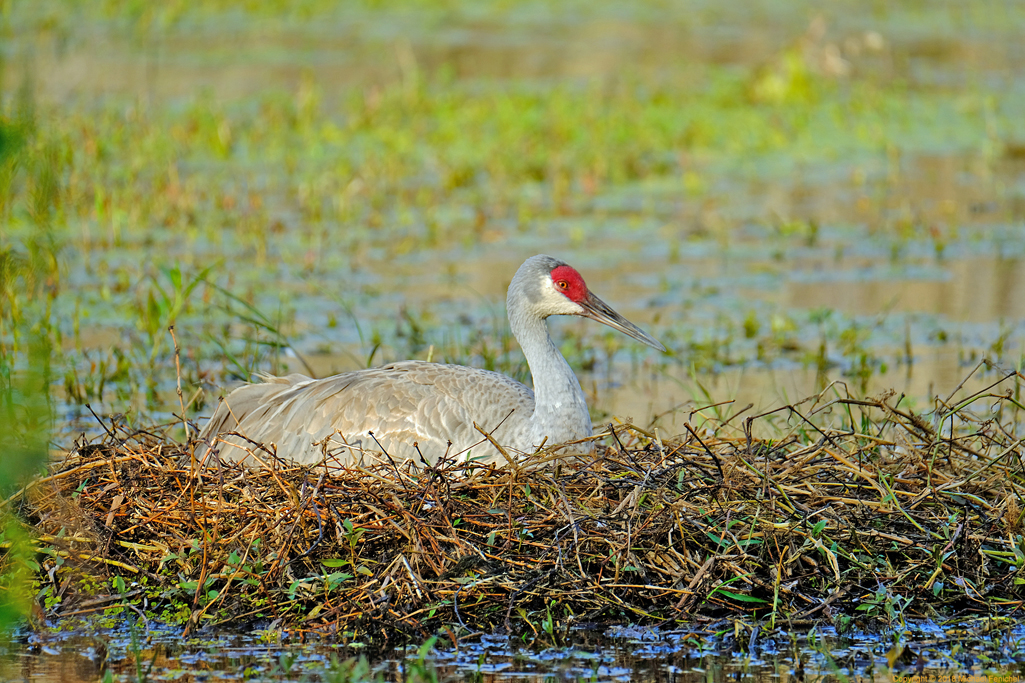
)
(926, 649)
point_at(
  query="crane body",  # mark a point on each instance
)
(411, 409)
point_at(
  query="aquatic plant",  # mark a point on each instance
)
(29, 281)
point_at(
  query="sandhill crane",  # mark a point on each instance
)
(431, 406)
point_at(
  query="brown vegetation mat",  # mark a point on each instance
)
(894, 517)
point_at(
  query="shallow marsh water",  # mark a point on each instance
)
(926, 650)
(861, 219)
(871, 232)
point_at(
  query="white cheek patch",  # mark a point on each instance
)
(548, 287)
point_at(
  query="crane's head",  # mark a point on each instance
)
(551, 287)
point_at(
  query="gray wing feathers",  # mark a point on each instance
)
(401, 403)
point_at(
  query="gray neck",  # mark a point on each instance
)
(560, 410)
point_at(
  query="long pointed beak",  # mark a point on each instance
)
(596, 309)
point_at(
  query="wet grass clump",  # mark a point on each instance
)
(885, 516)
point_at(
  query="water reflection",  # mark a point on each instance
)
(760, 390)
(620, 654)
(971, 290)
(161, 58)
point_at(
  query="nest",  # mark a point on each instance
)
(898, 516)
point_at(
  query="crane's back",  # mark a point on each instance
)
(429, 404)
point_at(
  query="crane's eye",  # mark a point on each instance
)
(562, 284)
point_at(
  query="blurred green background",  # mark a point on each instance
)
(786, 193)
